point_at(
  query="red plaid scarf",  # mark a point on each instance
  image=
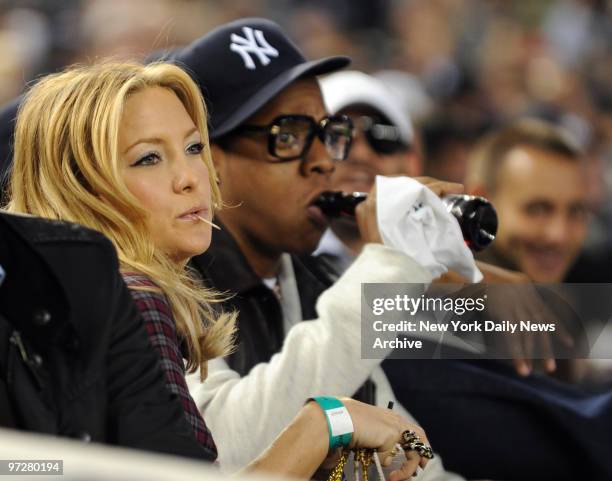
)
(159, 322)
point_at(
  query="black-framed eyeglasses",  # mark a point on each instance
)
(290, 136)
(383, 137)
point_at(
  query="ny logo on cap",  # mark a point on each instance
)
(255, 43)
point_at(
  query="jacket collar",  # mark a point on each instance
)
(224, 265)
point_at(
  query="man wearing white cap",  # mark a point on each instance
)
(383, 144)
(478, 399)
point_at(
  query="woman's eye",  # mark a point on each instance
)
(149, 159)
(196, 148)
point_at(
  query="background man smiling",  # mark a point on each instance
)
(533, 174)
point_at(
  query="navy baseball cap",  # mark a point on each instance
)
(242, 65)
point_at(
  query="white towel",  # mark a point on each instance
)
(413, 219)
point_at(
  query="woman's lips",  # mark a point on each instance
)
(194, 215)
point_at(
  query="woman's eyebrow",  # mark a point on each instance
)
(157, 140)
(191, 131)
(148, 140)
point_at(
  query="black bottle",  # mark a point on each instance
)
(476, 215)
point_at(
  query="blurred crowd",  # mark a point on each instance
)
(459, 67)
(510, 101)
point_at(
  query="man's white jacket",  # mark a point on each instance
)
(319, 357)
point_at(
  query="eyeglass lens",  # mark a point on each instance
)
(294, 135)
(337, 138)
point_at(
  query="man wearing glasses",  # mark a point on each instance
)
(383, 144)
(275, 149)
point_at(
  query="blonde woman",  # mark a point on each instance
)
(123, 148)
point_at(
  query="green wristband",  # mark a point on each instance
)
(339, 421)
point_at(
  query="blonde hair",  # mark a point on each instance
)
(67, 158)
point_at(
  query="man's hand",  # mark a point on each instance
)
(518, 301)
(365, 212)
(521, 301)
(440, 187)
(367, 221)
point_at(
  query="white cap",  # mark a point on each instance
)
(409, 93)
(349, 88)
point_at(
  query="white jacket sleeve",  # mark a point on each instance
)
(319, 357)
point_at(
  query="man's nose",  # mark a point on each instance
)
(318, 160)
(558, 229)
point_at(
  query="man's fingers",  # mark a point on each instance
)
(451, 188)
(547, 353)
(440, 187)
(521, 366)
(528, 347)
(518, 357)
(365, 213)
(445, 188)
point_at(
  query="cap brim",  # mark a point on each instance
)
(306, 69)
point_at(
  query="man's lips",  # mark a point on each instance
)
(314, 212)
(317, 217)
(546, 258)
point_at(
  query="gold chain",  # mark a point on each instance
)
(336, 474)
(362, 456)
